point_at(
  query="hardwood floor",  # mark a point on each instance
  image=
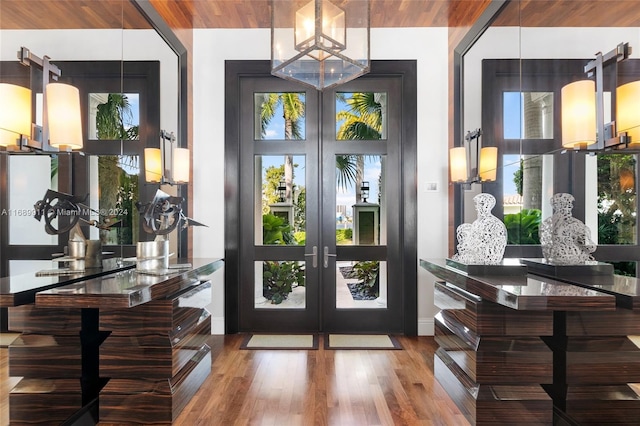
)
(321, 387)
(315, 387)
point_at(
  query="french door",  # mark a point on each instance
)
(321, 208)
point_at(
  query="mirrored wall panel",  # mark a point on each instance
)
(114, 116)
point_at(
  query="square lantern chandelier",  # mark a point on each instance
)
(320, 43)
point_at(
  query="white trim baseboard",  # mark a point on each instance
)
(217, 325)
(426, 326)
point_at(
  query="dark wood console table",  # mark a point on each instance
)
(133, 343)
(516, 349)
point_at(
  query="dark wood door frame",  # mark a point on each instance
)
(406, 70)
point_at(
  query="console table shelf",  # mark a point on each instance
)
(136, 344)
(519, 348)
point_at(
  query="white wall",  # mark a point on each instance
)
(212, 47)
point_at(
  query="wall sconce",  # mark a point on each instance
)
(578, 114)
(364, 191)
(471, 163)
(583, 125)
(62, 104)
(61, 128)
(628, 111)
(15, 114)
(166, 165)
(320, 44)
(282, 191)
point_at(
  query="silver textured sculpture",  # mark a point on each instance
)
(565, 240)
(483, 241)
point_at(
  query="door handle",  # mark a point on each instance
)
(327, 255)
(314, 253)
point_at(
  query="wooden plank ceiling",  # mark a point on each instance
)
(571, 13)
(70, 14)
(82, 14)
(256, 13)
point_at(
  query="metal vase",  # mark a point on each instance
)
(152, 255)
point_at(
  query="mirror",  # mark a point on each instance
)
(511, 81)
(86, 42)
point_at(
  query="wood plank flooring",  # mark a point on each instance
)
(322, 387)
(311, 387)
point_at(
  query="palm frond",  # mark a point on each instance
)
(268, 108)
(346, 170)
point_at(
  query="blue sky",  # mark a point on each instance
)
(512, 130)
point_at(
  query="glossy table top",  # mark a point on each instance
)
(626, 290)
(529, 292)
(21, 289)
(128, 288)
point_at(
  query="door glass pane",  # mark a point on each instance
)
(113, 191)
(30, 177)
(280, 285)
(280, 217)
(114, 116)
(528, 115)
(527, 189)
(360, 207)
(361, 116)
(617, 214)
(361, 284)
(279, 116)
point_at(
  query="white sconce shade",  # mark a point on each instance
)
(152, 165)
(181, 165)
(628, 110)
(458, 164)
(579, 114)
(63, 116)
(15, 113)
(320, 44)
(488, 164)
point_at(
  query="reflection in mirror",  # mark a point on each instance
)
(279, 116)
(540, 39)
(617, 215)
(114, 116)
(30, 176)
(114, 191)
(528, 115)
(527, 188)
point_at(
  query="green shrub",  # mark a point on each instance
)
(300, 237)
(278, 278)
(344, 235)
(522, 227)
(276, 231)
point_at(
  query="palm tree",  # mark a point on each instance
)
(112, 123)
(293, 111)
(112, 116)
(361, 121)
